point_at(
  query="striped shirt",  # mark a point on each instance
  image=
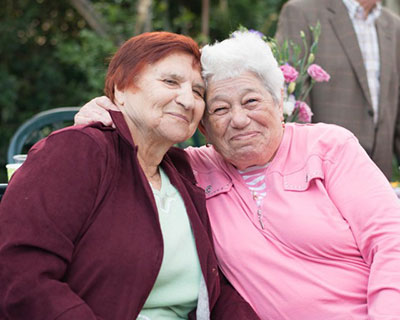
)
(254, 177)
(368, 41)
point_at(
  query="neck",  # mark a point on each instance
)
(151, 151)
(149, 160)
(367, 6)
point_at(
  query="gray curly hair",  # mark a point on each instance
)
(243, 51)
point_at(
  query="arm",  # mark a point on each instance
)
(96, 110)
(47, 203)
(365, 199)
(230, 305)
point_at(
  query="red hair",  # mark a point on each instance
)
(141, 50)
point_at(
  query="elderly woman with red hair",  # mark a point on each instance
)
(103, 223)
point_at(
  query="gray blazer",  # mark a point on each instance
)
(346, 100)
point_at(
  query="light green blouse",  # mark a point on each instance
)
(176, 289)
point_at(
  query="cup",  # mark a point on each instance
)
(20, 158)
(12, 167)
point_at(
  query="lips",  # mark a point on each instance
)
(244, 135)
(179, 115)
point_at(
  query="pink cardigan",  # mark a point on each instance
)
(330, 248)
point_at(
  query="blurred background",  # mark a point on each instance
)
(55, 53)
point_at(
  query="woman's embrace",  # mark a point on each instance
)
(103, 223)
(305, 226)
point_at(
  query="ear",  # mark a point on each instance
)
(202, 129)
(119, 97)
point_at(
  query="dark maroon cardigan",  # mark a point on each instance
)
(79, 231)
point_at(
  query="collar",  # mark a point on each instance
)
(356, 11)
(122, 127)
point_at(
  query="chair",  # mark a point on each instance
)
(3, 187)
(38, 127)
(32, 130)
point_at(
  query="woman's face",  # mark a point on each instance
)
(166, 102)
(242, 121)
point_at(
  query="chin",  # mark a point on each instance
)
(179, 138)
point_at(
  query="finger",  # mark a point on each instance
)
(95, 114)
(106, 103)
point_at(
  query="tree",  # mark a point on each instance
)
(55, 53)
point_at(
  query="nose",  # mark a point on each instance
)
(185, 97)
(239, 117)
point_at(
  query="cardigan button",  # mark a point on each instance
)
(371, 113)
(215, 271)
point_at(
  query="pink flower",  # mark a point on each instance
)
(305, 112)
(289, 73)
(317, 73)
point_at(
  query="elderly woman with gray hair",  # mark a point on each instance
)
(305, 226)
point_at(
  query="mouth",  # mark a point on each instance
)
(244, 136)
(179, 116)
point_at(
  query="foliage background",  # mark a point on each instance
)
(50, 56)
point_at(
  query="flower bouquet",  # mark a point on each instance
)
(299, 71)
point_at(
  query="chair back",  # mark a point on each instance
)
(3, 187)
(30, 131)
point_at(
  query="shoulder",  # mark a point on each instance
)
(298, 15)
(94, 134)
(321, 132)
(388, 16)
(321, 137)
(77, 141)
(320, 140)
(203, 159)
(304, 5)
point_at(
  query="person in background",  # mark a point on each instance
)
(103, 223)
(393, 5)
(359, 47)
(305, 225)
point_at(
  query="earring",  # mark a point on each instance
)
(283, 124)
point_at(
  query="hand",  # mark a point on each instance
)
(96, 111)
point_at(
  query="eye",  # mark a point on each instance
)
(251, 101)
(219, 111)
(170, 81)
(199, 93)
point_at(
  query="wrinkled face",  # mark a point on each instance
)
(242, 121)
(166, 103)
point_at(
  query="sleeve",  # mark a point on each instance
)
(231, 305)
(367, 202)
(46, 205)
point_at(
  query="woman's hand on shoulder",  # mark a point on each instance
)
(96, 110)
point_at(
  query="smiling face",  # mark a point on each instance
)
(242, 121)
(166, 102)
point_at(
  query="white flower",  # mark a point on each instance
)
(289, 104)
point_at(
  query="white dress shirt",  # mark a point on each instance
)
(368, 41)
